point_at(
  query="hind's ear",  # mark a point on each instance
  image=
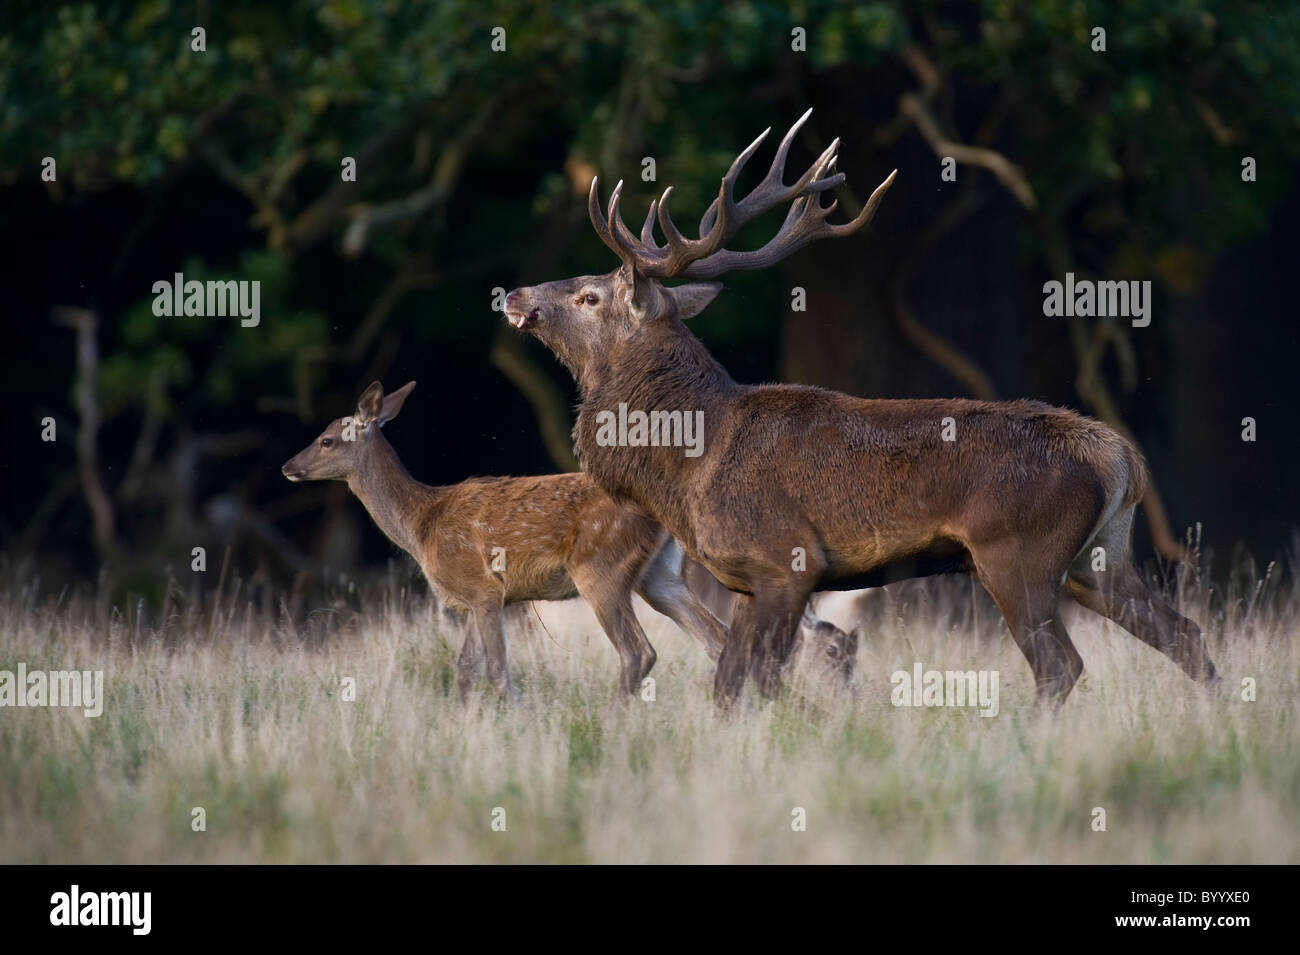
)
(393, 404)
(809, 619)
(370, 403)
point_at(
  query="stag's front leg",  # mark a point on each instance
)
(761, 641)
(735, 661)
(777, 630)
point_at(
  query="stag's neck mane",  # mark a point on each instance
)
(661, 367)
(662, 352)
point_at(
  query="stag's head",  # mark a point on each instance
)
(340, 450)
(582, 317)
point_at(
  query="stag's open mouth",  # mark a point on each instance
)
(521, 320)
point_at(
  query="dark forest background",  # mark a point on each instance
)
(472, 171)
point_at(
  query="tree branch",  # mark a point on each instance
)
(1007, 172)
(446, 173)
(85, 323)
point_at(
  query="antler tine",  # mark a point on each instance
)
(805, 223)
(598, 220)
(811, 180)
(727, 193)
(739, 162)
(868, 210)
(706, 256)
(673, 237)
(620, 232)
(772, 191)
(648, 230)
(706, 220)
(617, 236)
(626, 238)
(681, 250)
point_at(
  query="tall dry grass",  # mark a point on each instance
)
(229, 706)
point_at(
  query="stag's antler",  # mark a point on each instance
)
(706, 256)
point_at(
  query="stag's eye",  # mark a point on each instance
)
(327, 442)
(591, 298)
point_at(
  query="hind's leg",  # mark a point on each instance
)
(1121, 594)
(664, 588)
(487, 624)
(470, 663)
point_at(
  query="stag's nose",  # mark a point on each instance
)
(517, 312)
(291, 473)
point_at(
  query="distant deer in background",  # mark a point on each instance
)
(489, 542)
(1034, 499)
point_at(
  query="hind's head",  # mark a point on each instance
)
(824, 654)
(339, 450)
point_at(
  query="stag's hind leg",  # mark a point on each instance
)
(1120, 593)
(1026, 588)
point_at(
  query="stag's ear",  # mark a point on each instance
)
(644, 295)
(393, 404)
(694, 298)
(370, 404)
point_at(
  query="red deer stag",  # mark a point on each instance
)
(489, 542)
(1022, 493)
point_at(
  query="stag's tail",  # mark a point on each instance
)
(1136, 467)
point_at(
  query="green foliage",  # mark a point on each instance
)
(114, 91)
(154, 357)
(1113, 143)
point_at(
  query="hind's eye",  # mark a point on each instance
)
(592, 298)
(327, 442)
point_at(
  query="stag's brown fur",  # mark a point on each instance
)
(1025, 490)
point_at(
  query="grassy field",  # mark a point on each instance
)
(228, 709)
